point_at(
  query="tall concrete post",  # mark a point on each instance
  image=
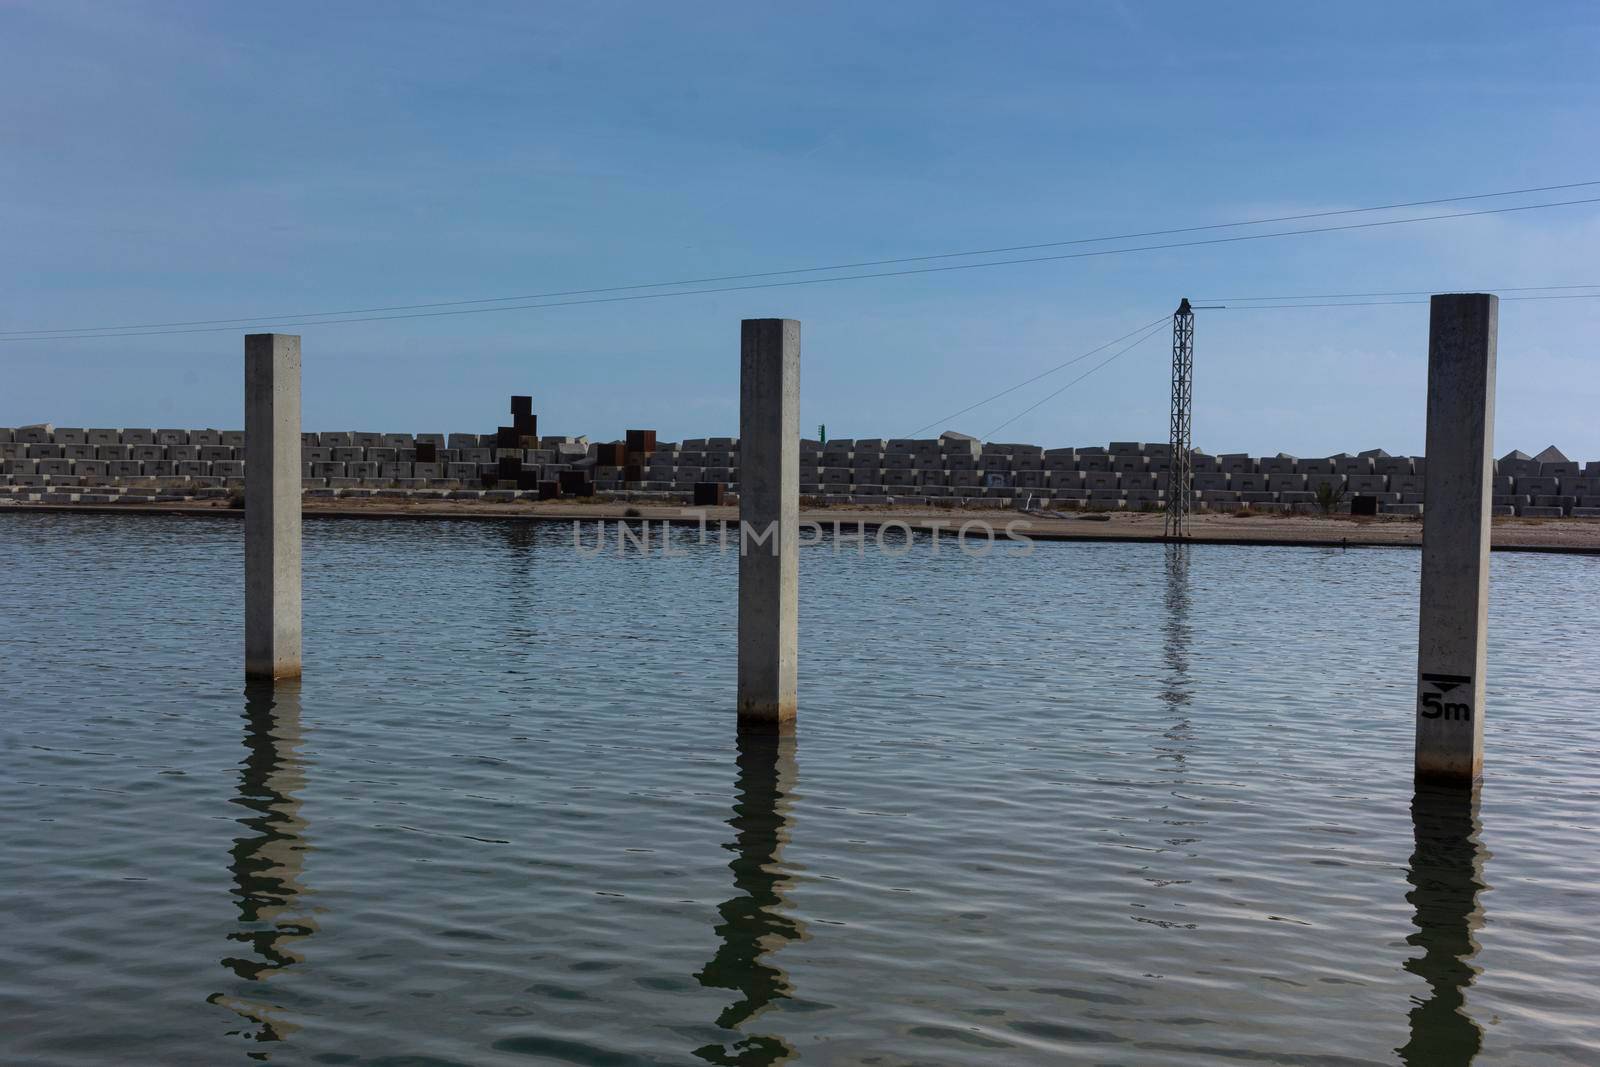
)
(769, 514)
(272, 505)
(1455, 537)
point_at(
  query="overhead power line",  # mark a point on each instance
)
(820, 269)
(1150, 332)
(1388, 303)
(837, 278)
(1405, 292)
(1036, 377)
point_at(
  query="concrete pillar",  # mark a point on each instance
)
(769, 513)
(1455, 537)
(272, 505)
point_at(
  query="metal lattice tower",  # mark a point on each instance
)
(1181, 463)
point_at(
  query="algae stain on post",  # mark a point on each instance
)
(1452, 625)
(272, 505)
(769, 498)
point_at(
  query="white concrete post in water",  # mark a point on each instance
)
(272, 505)
(1455, 537)
(769, 502)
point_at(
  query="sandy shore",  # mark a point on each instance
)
(1511, 534)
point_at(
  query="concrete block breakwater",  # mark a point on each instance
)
(67, 465)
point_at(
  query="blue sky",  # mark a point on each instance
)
(164, 162)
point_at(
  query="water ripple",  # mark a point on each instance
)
(1098, 804)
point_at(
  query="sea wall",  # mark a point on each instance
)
(70, 465)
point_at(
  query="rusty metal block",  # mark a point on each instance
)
(709, 494)
(521, 405)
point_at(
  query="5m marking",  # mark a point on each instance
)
(1435, 706)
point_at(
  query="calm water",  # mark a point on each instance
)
(1090, 805)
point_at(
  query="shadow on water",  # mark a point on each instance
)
(754, 921)
(267, 860)
(521, 538)
(1177, 690)
(1446, 876)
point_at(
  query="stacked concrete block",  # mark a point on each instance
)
(1103, 481)
(1368, 484)
(1061, 459)
(965, 479)
(962, 461)
(837, 454)
(1141, 481)
(1393, 465)
(959, 444)
(1248, 481)
(1352, 465)
(1517, 464)
(1067, 479)
(1126, 473)
(1027, 458)
(898, 461)
(1288, 482)
(1537, 485)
